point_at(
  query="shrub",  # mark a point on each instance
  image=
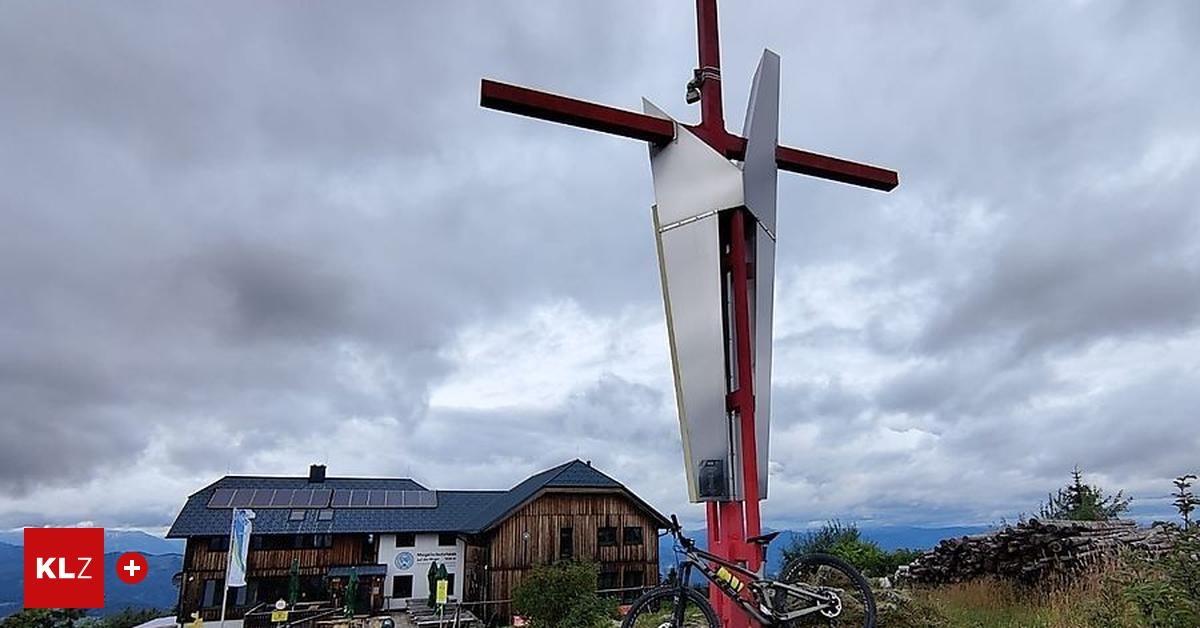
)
(846, 542)
(43, 618)
(562, 595)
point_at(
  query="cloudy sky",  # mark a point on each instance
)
(247, 238)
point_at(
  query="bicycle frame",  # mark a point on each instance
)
(759, 609)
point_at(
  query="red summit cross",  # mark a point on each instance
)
(730, 523)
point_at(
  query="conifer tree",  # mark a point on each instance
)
(1083, 502)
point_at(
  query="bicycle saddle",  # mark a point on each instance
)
(763, 539)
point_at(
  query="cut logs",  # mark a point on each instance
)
(1034, 550)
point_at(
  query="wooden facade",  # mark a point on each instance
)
(533, 535)
(202, 564)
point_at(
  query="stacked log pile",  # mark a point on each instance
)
(1034, 550)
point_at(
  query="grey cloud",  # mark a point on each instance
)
(809, 402)
(957, 388)
(1082, 279)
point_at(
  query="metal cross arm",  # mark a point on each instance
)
(588, 115)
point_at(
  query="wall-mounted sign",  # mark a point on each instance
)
(441, 556)
(404, 561)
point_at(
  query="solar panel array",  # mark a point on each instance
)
(379, 498)
(320, 498)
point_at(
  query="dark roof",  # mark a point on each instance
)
(456, 511)
(575, 474)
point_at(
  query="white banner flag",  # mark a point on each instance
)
(239, 544)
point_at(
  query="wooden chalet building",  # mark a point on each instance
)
(389, 530)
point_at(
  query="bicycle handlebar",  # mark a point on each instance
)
(677, 532)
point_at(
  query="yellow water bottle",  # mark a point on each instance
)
(726, 576)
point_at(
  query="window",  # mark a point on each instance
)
(606, 537)
(291, 541)
(274, 541)
(212, 593)
(448, 540)
(244, 596)
(367, 549)
(609, 579)
(449, 584)
(325, 515)
(633, 536)
(406, 539)
(296, 515)
(218, 544)
(402, 586)
(634, 579)
(566, 543)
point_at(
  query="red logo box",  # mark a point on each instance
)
(64, 567)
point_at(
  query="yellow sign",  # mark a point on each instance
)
(279, 617)
(442, 593)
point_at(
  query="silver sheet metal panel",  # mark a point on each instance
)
(690, 178)
(690, 262)
(760, 176)
(762, 136)
(762, 304)
(691, 183)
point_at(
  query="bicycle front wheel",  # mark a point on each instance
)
(851, 605)
(671, 608)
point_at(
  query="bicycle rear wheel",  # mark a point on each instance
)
(671, 608)
(829, 574)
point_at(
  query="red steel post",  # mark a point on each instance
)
(739, 269)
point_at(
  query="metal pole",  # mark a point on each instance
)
(715, 546)
(712, 117)
(224, 602)
(225, 580)
(744, 395)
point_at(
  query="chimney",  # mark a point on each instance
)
(316, 473)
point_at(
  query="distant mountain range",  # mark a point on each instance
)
(116, 541)
(156, 591)
(888, 538)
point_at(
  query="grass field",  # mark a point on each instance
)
(995, 604)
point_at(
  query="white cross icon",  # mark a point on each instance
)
(132, 568)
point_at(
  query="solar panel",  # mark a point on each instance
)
(370, 498)
(319, 498)
(419, 499)
(283, 498)
(242, 497)
(262, 498)
(299, 498)
(221, 498)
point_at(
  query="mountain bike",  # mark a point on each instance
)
(811, 590)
